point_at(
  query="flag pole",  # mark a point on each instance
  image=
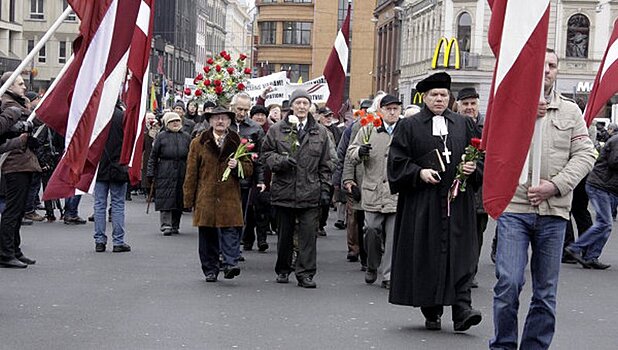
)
(35, 50)
(537, 140)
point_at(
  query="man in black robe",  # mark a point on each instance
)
(435, 243)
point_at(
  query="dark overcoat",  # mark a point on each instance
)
(215, 203)
(434, 255)
(167, 164)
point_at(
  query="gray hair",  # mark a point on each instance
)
(242, 95)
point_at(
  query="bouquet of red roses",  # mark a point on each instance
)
(222, 79)
(243, 151)
(472, 153)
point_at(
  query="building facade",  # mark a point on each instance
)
(11, 35)
(386, 71)
(297, 36)
(38, 16)
(237, 29)
(578, 31)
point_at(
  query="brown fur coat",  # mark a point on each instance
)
(215, 203)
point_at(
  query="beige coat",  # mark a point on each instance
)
(568, 156)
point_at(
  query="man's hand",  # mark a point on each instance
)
(545, 190)
(364, 150)
(232, 164)
(469, 168)
(262, 187)
(542, 110)
(430, 176)
(348, 185)
(266, 91)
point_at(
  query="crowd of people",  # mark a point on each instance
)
(388, 173)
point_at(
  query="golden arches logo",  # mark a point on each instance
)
(418, 98)
(449, 44)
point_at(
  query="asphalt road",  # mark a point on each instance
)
(155, 297)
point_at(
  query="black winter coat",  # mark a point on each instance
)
(167, 165)
(109, 167)
(604, 175)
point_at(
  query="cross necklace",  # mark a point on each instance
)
(446, 153)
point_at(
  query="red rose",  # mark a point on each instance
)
(206, 69)
(223, 53)
(200, 77)
(242, 57)
(475, 142)
(243, 141)
(217, 82)
(198, 93)
(218, 68)
(187, 91)
(230, 70)
(227, 57)
(250, 146)
(210, 61)
(247, 70)
(240, 86)
(219, 90)
(207, 82)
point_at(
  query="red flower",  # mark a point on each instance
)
(240, 86)
(200, 77)
(364, 121)
(218, 68)
(187, 91)
(223, 53)
(250, 146)
(227, 57)
(217, 82)
(243, 141)
(242, 57)
(207, 69)
(377, 123)
(254, 156)
(475, 142)
(370, 118)
(210, 61)
(247, 70)
(219, 90)
(207, 82)
(198, 92)
(230, 70)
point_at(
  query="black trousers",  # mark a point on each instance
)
(579, 212)
(258, 223)
(308, 219)
(17, 189)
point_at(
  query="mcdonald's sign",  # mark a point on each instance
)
(417, 98)
(448, 44)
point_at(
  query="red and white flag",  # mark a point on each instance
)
(518, 38)
(606, 81)
(337, 65)
(81, 102)
(139, 58)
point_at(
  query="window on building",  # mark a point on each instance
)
(269, 1)
(342, 11)
(30, 46)
(464, 31)
(36, 9)
(297, 33)
(578, 35)
(298, 1)
(268, 31)
(296, 71)
(71, 17)
(42, 55)
(12, 11)
(62, 52)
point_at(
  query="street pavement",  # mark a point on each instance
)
(155, 297)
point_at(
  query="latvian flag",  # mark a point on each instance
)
(337, 65)
(81, 102)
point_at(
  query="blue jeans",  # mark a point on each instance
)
(70, 206)
(515, 233)
(117, 191)
(593, 240)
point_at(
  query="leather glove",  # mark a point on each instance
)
(324, 198)
(356, 193)
(33, 143)
(22, 126)
(290, 163)
(363, 150)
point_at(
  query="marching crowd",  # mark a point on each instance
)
(387, 171)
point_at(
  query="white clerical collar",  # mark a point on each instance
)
(439, 126)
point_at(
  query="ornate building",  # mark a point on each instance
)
(11, 35)
(237, 29)
(579, 31)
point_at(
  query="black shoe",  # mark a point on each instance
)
(492, 255)
(339, 224)
(577, 256)
(306, 282)
(241, 258)
(433, 325)
(26, 260)
(74, 220)
(122, 248)
(99, 247)
(567, 259)
(231, 272)
(371, 276)
(13, 264)
(262, 246)
(283, 278)
(352, 258)
(321, 232)
(386, 284)
(91, 218)
(167, 232)
(211, 277)
(471, 318)
(594, 264)
(175, 231)
(363, 267)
